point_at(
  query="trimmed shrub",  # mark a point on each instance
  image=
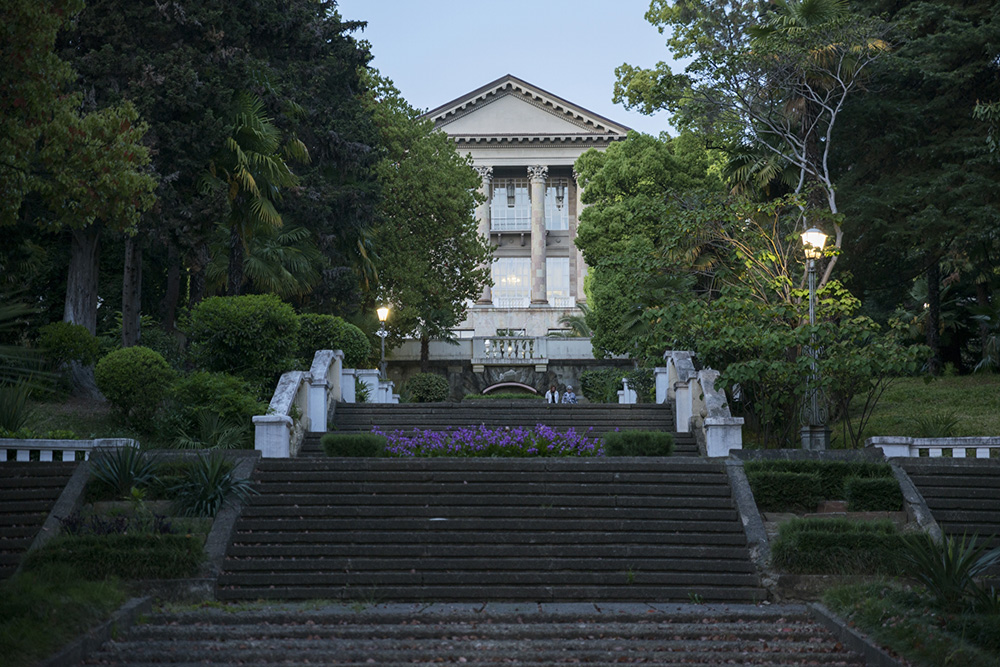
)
(329, 332)
(427, 388)
(62, 342)
(601, 386)
(837, 546)
(638, 443)
(353, 444)
(832, 474)
(135, 381)
(227, 396)
(129, 556)
(878, 494)
(253, 336)
(781, 491)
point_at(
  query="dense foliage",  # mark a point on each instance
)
(426, 388)
(135, 380)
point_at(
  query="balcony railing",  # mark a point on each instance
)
(509, 351)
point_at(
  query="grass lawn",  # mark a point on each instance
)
(88, 418)
(973, 401)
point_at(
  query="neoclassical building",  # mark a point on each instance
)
(523, 142)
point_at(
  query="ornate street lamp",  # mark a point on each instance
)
(383, 315)
(815, 433)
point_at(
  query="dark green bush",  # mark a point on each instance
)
(832, 474)
(781, 491)
(426, 388)
(837, 546)
(135, 381)
(641, 381)
(638, 443)
(253, 336)
(601, 386)
(353, 444)
(876, 494)
(227, 396)
(329, 332)
(129, 556)
(62, 342)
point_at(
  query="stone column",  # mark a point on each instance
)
(483, 216)
(537, 175)
(581, 266)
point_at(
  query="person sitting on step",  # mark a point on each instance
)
(552, 395)
(568, 395)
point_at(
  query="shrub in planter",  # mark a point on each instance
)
(832, 474)
(135, 381)
(207, 485)
(782, 491)
(638, 443)
(128, 556)
(114, 472)
(62, 342)
(427, 388)
(877, 494)
(253, 336)
(353, 444)
(329, 332)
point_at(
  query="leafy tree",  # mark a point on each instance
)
(431, 258)
(777, 80)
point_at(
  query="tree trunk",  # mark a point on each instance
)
(425, 353)
(81, 299)
(235, 284)
(197, 272)
(132, 293)
(983, 301)
(173, 293)
(934, 318)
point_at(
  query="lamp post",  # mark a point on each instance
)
(383, 315)
(815, 433)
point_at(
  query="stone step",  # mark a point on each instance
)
(962, 494)
(491, 529)
(524, 635)
(28, 491)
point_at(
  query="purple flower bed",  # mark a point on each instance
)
(482, 441)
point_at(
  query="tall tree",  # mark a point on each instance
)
(431, 258)
(778, 80)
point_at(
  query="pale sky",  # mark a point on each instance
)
(438, 50)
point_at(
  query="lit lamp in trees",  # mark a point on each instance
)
(383, 315)
(815, 433)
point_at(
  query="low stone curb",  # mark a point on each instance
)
(874, 655)
(120, 623)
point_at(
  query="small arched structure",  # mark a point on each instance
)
(509, 385)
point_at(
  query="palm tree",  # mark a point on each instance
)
(253, 170)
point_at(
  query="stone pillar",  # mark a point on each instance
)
(537, 175)
(578, 268)
(483, 216)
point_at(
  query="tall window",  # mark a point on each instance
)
(510, 207)
(557, 204)
(512, 282)
(557, 282)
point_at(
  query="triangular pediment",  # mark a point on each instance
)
(514, 108)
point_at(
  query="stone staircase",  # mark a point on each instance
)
(551, 635)
(444, 529)
(28, 490)
(962, 494)
(601, 418)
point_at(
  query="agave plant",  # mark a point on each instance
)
(949, 568)
(208, 485)
(122, 468)
(214, 432)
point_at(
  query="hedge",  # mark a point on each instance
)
(353, 444)
(638, 443)
(832, 474)
(880, 494)
(782, 491)
(426, 388)
(329, 332)
(837, 546)
(132, 556)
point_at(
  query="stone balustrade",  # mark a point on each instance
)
(510, 351)
(13, 449)
(699, 406)
(957, 448)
